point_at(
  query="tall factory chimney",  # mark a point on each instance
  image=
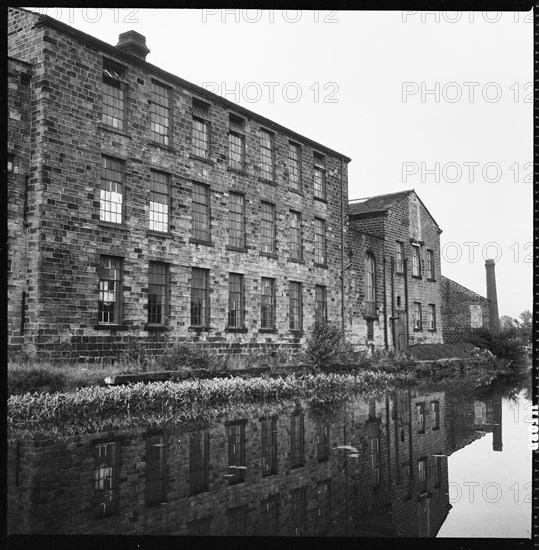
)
(494, 320)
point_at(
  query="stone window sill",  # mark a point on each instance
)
(324, 265)
(296, 261)
(267, 331)
(430, 280)
(269, 255)
(241, 172)
(164, 234)
(201, 159)
(112, 225)
(111, 327)
(200, 241)
(237, 330)
(417, 277)
(200, 329)
(296, 332)
(161, 145)
(236, 248)
(268, 181)
(113, 130)
(296, 191)
(155, 328)
(320, 199)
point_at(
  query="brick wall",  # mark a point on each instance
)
(69, 237)
(51, 482)
(457, 305)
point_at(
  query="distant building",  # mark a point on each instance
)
(394, 296)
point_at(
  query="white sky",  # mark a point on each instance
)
(350, 68)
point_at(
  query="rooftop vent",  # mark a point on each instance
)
(134, 43)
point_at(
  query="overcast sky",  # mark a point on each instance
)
(436, 102)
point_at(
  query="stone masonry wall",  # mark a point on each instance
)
(65, 176)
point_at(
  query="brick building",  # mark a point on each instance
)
(463, 311)
(142, 206)
(393, 293)
(367, 467)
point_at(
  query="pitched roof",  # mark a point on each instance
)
(443, 278)
(378, 203)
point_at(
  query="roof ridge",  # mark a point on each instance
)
(383, 195)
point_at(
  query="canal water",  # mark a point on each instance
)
(428, 461)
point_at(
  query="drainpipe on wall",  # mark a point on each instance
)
(342, 251)
(393, 301)
(405, 262)
(385, 307)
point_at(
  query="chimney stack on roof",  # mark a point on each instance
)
(134, 43)
(494, 320)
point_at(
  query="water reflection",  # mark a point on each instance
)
(360, 467)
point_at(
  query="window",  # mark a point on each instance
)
(159, 201)
(435, 410)
(294, 166)
(199, 527)
(160, 114)
(267, 317)
(370, 285)
(324, 510)
(109, 309)
(416, 261)
(236, 453)
(155, 470)
(422, 467)
(296, 306)
(10, 163)
(269, 516)
(236, 308)
(237, 521)
(106, 486)
(370, 329)
(267, 219)
(299, 510)
(417, 321)
(319, 241)
(437, 472)
(431, 319)
(269, 446)
(415, 219)
(237, 220)
(113, 97)
(322, 439)
(296, 246)
(430, 264)
(297, 443)
(236, 143)
(200, 138)
(111, 193)
(199, 461)
(420, 408)
(374, 456)
(320, 304)
(400, 257)
(158, 294)
(266, 155)
(200, 298)
(319, 177)
(201, 212)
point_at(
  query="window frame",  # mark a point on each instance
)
(202, 209)
(294, 163)
(297, 440)
(236, 457)
(296, 236)
(295, 298)
(199, 455)
(399, 257)
(238, 321)
(268, 445)
(107, 469)
(435, 414)
(431, 275)
(320, 297)
(205, 303)
(431, 317)
(264, 304)
(421, 418)
(154, 184)
(237, 130)
(107, 182)
(201, 112)
(418, 317)
(370, 285)
(161, 139)
(268, 228)
(157, 464)
(320, 242)
(319, 167)
(236, 221)
(271, 140)
(416, 261)
(118, 290)
(116, 80)
(164, 295)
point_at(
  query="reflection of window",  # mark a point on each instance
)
(237, 521)
(159, 202)
(370, 329)
(160, 114)
(416, 261)
(236, 452)
(199, 527)
(299, 510)
(155, 470)
(435, 410)
(111, 192)
(294, 166)
(267, 225)
(297, 443)
(374, 456)
(400, 257)
(269, 516)
(437, 472)
(199, 461)
(110, 290)
(324, 509)
(269, 446)
(106, 479)
(422, 467)
(322, 439)
(235, 301)
(420, 407)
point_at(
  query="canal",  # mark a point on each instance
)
(446, 460)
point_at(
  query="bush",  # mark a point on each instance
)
(327, 344)
(504, 344)
(35, 380)
(186, 355)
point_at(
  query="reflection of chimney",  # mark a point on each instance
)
(494, 321)
(497, 444)
(134, 43)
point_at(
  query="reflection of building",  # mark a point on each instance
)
(395, 238)
(356, 468)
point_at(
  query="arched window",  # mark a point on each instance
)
(370, 284)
